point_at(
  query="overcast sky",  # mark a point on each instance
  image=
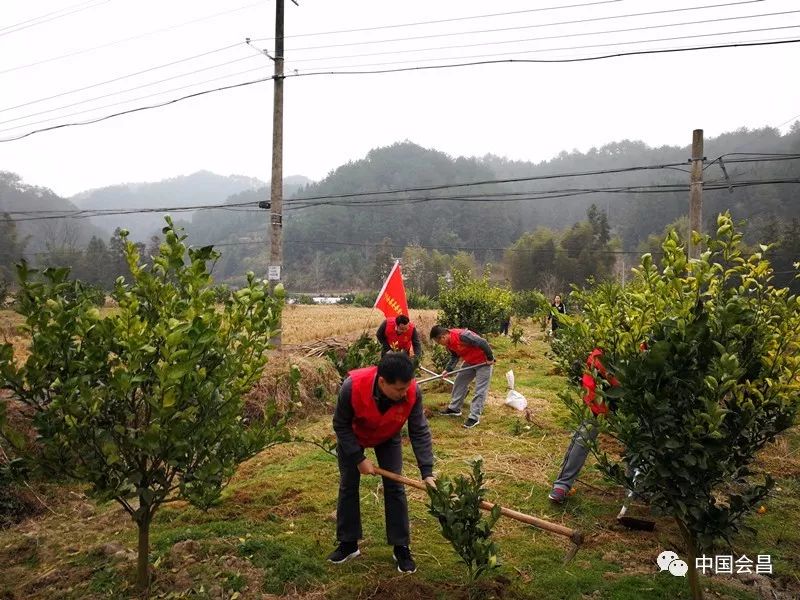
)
(523, 111)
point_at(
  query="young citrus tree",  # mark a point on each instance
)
(456, 504)
(145, 404)
(716, 381)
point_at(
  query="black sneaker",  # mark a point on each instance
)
(449, 412)
(402, 556)
(470, 423)
(344, 552)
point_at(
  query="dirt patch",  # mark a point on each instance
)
(410, 588)
(318, 386)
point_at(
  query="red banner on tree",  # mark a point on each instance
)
(392, 299)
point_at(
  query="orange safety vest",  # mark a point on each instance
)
(398, 341)
(471, 355)
(370, 426)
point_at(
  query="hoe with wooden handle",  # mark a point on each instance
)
(575, 535)
(440, 376)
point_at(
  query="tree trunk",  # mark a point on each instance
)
(694, 579)
(143, 560)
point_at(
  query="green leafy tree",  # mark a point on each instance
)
(530, 257)
(717, 381)
(473, 303)
(94, 268)
(145, 405)
(422, 269)
(456, 503)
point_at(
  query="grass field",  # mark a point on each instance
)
(269, 535)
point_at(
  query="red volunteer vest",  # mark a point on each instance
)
(370, 426)
(590, 385)
(401, 341)
(472, 355)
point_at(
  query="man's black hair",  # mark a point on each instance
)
(396, 366)
(437, 331)
(402, 320)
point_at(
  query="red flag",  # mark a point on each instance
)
(392, 299)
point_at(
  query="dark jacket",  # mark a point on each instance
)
(418, 431)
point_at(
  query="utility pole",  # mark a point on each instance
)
(276, 190)
(696, 191)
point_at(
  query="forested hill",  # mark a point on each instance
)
(201, 188)
(543, 226)
(332, 241)
(33, 232)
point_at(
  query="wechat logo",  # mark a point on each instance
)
(669, 561)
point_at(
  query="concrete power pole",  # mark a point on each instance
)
(274, 273)
(696, 191)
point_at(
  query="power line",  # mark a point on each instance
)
(572, 35)
(394, 62)
(549, 195)
(518, 27)
(418, 68)
(550, 61)
(138, 98)
(511, 197)
(569, 48)
(138, 109)
(41, 19)
(115, 79)
(129, 39)
(125, 91)
(317, 242)
(450, 20)
(86, 213)
(499, 181)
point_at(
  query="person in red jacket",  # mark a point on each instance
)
(473, 350)
(399, 333)
(575, 457)
(374, 404)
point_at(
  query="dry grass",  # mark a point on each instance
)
(305, 323)
(11, 331)
(318, 386)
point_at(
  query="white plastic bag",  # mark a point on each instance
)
(513, 398)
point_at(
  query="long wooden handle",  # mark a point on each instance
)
(429, 372)
(435, 377)
(574, 534)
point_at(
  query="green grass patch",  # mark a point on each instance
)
(285, 565)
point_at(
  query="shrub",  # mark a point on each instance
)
(530, 303)
(420, 301)
(439, 356)
(365, 351)
(221, 292)
(473, 303)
